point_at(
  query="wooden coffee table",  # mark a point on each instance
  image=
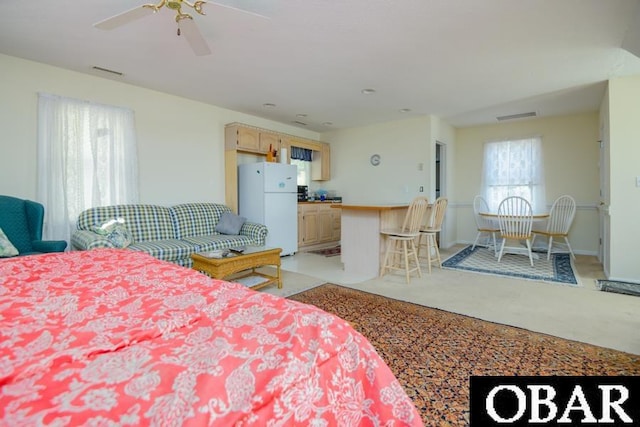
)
(251, 258)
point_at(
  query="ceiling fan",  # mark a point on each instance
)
(186, 24)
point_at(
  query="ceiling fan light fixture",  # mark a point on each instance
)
(186, 23)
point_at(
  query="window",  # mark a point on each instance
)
(304, 171)
(301, 157)
(87, 156)
(514, 168)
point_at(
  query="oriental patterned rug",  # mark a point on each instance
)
(433, 353)
(559, 269)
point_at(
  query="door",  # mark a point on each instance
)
(440, 171)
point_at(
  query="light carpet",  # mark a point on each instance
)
(559, 269)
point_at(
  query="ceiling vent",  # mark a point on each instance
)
(106, 70)
(517, 116)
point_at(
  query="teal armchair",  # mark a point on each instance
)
(21, 220)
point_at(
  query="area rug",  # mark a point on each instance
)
(433, 353)
(558, 269)
(328, 252)
(619, 287)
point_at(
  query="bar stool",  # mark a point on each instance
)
(401, 248)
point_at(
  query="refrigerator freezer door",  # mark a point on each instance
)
(280, 178)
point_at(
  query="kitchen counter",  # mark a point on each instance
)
(361, 241)
(320, 201)
(371, 207)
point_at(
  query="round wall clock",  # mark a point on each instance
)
(375, 159)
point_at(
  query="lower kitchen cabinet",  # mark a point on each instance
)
(318, 223)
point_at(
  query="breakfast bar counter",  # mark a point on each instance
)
(362, 244)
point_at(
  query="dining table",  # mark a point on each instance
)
(537, 217)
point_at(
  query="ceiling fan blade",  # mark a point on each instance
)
(124, 18)
(190, 31)
(254, 7)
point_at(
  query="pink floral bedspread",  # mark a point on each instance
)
(116, 337)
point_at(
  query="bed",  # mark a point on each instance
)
(117, 337)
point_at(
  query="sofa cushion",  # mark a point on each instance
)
(170, 250)
(144, 222)
(219, 241)
(197, 219)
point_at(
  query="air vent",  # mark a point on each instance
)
(106, 70)
(299, 122)
(517, 116)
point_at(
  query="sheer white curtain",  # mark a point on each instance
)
(514, 168)
(87, 156)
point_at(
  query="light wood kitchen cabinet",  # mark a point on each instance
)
(308, 225)
(321, 163)
(252, 140)
(318, 223)
(269, 140)
(325, 224)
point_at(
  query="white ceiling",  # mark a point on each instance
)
(467, 61)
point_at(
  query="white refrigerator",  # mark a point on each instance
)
(268, 194)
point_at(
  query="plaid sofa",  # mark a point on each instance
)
(167, 233)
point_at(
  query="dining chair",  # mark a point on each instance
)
(484, 225)
(401, 250)
(430, 232)
(558, 224)
(515, 218)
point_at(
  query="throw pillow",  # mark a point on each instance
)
(115, 231)
(230, 223)
(6, 248)
(120, 236)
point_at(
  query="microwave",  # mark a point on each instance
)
(303, 193)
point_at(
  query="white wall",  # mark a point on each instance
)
(624, 151)
(180, 142)
(571, 152)
(402, 146)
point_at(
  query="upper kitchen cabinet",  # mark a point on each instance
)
(249, 139)
(321, 163)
